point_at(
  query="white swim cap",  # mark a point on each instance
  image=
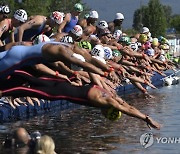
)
(20, 15)
(117, 34)
(162, 58)
(145, 30)
(150, 52)
(57, 17)
(41, 38)
(107, 53)
(134, 46)
(98, 50)
(77, 30)
(102, 24)
(93, 14)
(119, 16)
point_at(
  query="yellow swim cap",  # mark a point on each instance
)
(155, 42)
(113, 114)
(143, 38)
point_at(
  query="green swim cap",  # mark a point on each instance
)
(113, 114)
(78, 7)
(86, 16)
(116, 53)
(143, 38)
(85, 45)
(125, 39)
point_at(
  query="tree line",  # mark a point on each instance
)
(43, 7)
(157, 17)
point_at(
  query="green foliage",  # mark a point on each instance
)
(175, 23)
(152, 16)
(157, 22)
(43, 7)
(168, 13)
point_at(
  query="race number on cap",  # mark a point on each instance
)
(57, 17)
(102, 24)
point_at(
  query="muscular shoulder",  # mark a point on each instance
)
(111, 26)
(89, 30)
(38, 19)
(67, 17)
(83, 23)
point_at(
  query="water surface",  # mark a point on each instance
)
(85, 130)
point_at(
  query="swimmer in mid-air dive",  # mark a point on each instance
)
(54, 89)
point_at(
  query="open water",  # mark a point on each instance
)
(85, 131)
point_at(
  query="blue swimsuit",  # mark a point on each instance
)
(19, 56)
(33, 32)
(69, 26)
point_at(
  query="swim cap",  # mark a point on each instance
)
(150, 52)
(35, 135)
(163, 40)
(4, 9)
(67, 39)
(98, 50)
(113, 114)
(147, 45)
(78, 7)
(20, 15)
(162, 58)
(143, 38)
(77, 30)
(116, 53)
(102, 24)
(117, 34)
(155, 42)
(85, 45)
(119, 16)
(93, 14)
(164, 47)
(145, 30)
(41, 38)
(107, 53)
(57, 17)
(125, 39)
(134, 46)
(86, 16)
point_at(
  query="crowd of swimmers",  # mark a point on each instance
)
(62, 56)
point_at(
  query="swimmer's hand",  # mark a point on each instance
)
(151, 123)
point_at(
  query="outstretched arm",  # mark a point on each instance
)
(101, 98)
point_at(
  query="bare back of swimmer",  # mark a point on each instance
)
(19, 56)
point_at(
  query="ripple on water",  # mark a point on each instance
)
(85, 130)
